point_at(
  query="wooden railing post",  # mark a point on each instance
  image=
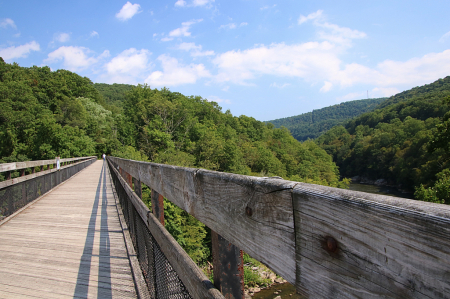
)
(129, 179)
(228, 267)
(137, 187)
(158, 206)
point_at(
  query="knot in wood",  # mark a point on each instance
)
(331, 244)
(248, 211)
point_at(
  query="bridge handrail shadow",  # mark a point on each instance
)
(17, 193)
(328, 242)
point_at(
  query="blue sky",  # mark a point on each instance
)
(265, 59)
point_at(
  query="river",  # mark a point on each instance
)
(382, 190)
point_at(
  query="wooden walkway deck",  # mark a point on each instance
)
(69, 244)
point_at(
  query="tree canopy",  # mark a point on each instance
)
(312, 124)
(405, 141)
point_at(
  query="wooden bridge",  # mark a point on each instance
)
(81, 231)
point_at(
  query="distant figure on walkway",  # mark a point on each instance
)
(104, 156)
(58, 164)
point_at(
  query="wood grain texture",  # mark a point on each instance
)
(386, 246)
(24, 178)
(29, 164)
(198, 285)
(68, 244)
(219, 200)
(384, 250)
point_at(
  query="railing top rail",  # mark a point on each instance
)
(193, 278)
(135, 168)
(329, 242)
(32, 176)
(28, 164)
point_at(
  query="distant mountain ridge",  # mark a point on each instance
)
(397, 141)
(312, 124)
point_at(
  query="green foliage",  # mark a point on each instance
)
(251, 277)
(313, 124)
(190, 131)
(405, 142)
(439, 193)
(114, 94)
(46, 114)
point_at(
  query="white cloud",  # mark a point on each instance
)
(312, 16)
(194, 49)
(351, 96)
(7, 22)
(339, 35)
(444, 37)
(183, 3)
(379, 92)
(389, 73)
(267, 7)
(279, 85)
(74, 58)
(166, 39)
(228, 26)
(128, 61)
(180, 3)
(176, 74)
(311, 61)
(128, 11)
(243, 24)
(218, 100)
(62, 37)
(19, 52)
(331, 32)
(94, 33)
(326, 86)
(201, 2)
(130, 66)
(184, 29)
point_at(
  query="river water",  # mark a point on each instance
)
(382, 190)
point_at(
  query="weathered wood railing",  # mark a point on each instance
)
(168, 272)
(328, 242)
(15, 193)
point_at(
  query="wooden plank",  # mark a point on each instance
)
(190, 274)
(223, 202)
(30, 164)
(31, 176)
(69, 244)
(228, 267)
(62, 287)
(384, 247)
(392, 246)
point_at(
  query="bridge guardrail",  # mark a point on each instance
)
(168, 271)
(328, 242)
(18, 192)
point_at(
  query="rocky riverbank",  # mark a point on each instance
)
(266, 275)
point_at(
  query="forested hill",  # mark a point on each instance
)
(406, 142)
(45, 114)
(114, 94)
(312, 124)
